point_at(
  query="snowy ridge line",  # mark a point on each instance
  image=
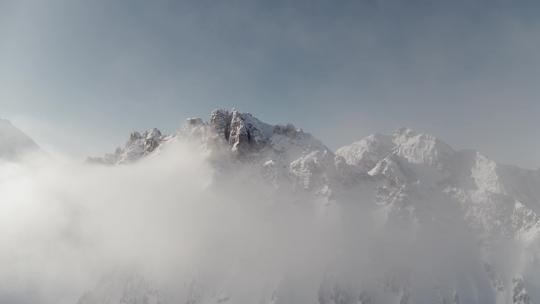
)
(405, 182)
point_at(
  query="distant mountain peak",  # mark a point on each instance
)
(421, 148)
(243, 133)
(14, 144)
(418, 148)
(138, 145)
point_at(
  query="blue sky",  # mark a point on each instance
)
(78, 76)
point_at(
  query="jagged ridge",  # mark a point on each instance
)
(410, 175)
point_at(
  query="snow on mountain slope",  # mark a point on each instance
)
(244, 138)
(13, 142)
(367, 152)
(289, 156)
(421, 148)
(138, 146)
(415, 147)
(406, 179)
(483, 187)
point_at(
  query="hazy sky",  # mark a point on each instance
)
(78, 76)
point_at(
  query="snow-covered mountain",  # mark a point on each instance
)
(13, 142)
(405, 178)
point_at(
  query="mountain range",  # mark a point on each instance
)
(404, 181)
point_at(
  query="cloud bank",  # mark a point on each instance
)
(195, 232)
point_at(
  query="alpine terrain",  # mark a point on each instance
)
(405, 218)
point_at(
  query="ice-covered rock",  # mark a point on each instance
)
(368, 151)
(314, 171)
(138, 146)
(415, 148)
(419, 148)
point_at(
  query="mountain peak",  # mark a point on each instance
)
(366, 152)
(421, 148)
(13, 142)
(242, 133)
(137, 146)
(417, 148)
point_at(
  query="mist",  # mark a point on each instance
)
(176, 223)
(185, 225)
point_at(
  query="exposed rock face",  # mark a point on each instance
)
(247, 134)
(220, 121)
(286, 150)
(244, 133)
(138, 146)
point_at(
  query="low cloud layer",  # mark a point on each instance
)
(191, 230)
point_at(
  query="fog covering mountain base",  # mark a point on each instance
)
(234, 210)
